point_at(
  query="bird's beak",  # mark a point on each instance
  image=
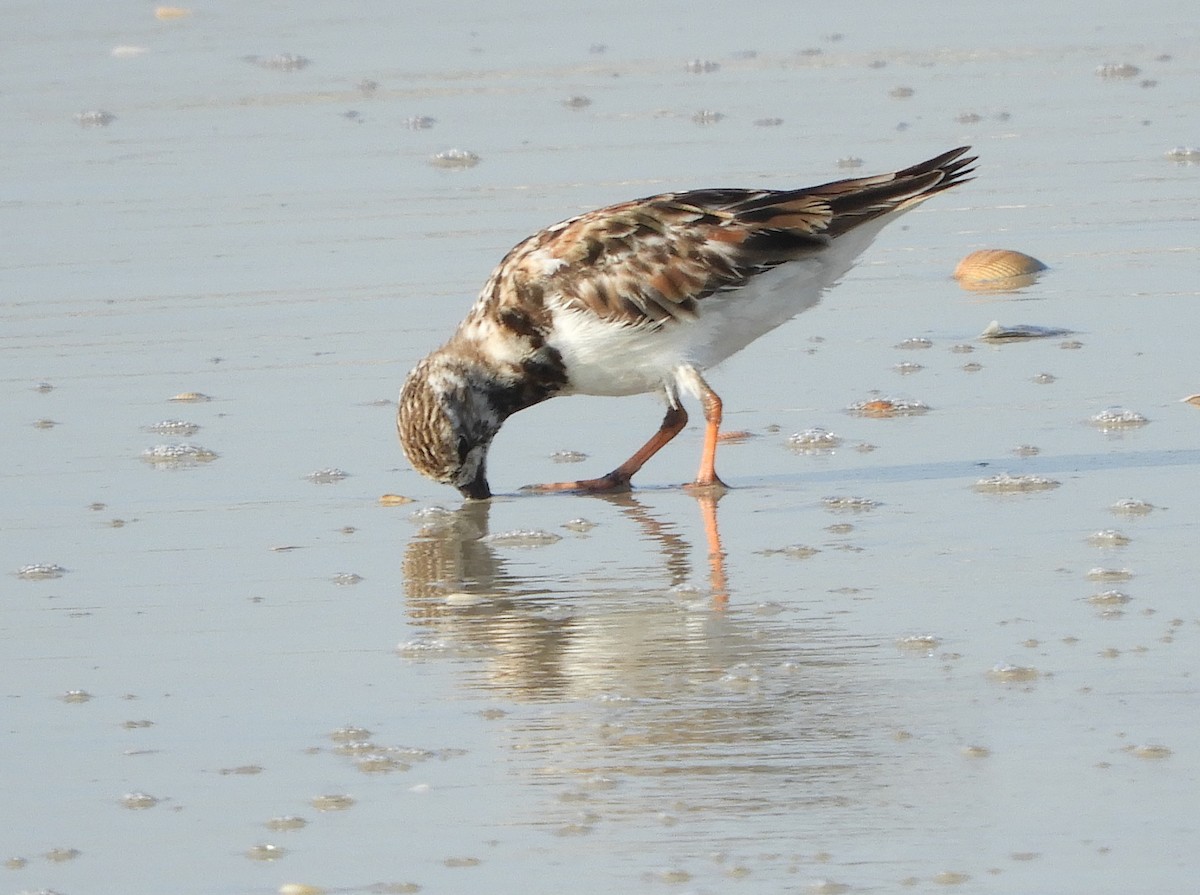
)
(477, 488)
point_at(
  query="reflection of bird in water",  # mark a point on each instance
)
(460, 588)
(662, 703)
(449, 554)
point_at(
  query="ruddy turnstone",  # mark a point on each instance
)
(643, 296)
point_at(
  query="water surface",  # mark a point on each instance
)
(770, 693)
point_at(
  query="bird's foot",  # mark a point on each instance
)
(606, 484)
(713, 488)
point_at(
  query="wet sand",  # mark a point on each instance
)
(874, 667)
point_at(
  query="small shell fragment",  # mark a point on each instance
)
(333, 802)
(94, 118)
(454, 158)
(523, 537)
(1013, 673)
(286, 823)
(1118, 418)
(1015, 484)
(1102, 574)
(180, 428)
(813, 441)
(1117, 70)
(1109, 537)
(1151, 751)
(178, 455)
(349, 734)
(996, 332)
(41, 571)
(394, 500)
(1131, 506)
(328, 476)
(566, 456)
(883, 408)
(919, 643)
(190, 398)
(951, 878)
(1194, 400)
(997, 270)
(850, 504)
(265, 852)
(280, 61)
(735, 436)
(138, 801)
(166, 13)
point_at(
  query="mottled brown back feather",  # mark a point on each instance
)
(651, 261)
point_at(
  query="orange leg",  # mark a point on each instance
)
(618, 479)
(707, 476)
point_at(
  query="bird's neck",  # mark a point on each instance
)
(512, 380)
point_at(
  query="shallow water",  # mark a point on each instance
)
(904, 688)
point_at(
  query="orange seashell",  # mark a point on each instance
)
(878, 407)
(394, 500)
(164, 13)
(997, 270)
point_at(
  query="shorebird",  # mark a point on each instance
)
(643, 296)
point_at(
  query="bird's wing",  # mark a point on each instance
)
(651, 261)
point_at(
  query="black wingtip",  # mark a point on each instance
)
(954, 166)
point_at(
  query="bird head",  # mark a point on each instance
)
(447, 420)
